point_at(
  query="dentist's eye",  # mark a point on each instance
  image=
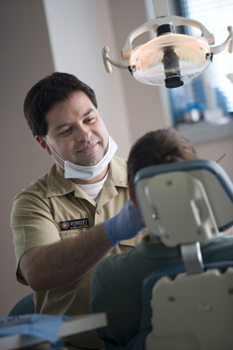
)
(66, 132)
(90, 120)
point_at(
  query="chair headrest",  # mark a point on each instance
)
(185, 202)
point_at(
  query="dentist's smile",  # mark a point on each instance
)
(88, 149)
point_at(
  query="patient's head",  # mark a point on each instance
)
(157, 147)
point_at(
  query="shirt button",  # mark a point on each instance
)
(98, 211)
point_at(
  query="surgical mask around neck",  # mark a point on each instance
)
(74, 171)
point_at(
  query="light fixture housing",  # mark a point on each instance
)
(169, 58)
(165, 57)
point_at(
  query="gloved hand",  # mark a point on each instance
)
(125, 225)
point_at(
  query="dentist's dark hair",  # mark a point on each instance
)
(46, 93)
(158, 147)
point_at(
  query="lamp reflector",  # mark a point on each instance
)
(174, 58)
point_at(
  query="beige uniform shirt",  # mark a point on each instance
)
(54, 208)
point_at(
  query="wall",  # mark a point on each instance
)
(30, 53)
(25, 58)
(68, 35)
(78, 33)
(146, 105)
(140, 108)
(59, 35)
(215, 149)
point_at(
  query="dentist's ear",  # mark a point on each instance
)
(43, 143)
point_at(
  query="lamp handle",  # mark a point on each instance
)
(108, 61)
(221, 47)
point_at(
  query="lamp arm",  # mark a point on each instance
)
(229, 41)
(153, 24)
(108, 61)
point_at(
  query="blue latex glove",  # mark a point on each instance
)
(125, 225)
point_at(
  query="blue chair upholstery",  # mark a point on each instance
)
(24, 306)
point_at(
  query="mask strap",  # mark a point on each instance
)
(54, 153)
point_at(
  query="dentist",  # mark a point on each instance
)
(66, 221)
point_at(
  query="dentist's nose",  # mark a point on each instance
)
(83, 134)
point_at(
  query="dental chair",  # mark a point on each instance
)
(189, 306)
(24, 306)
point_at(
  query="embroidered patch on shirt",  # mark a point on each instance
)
(74, 224)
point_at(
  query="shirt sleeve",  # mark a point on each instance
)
(32, 225)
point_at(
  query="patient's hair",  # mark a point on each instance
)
(158, 147)
(46, 93)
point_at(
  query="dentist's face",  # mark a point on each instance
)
(76, 131)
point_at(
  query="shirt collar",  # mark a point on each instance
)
(118, 172)
(58, 185)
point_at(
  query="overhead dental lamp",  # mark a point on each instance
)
(169, 57)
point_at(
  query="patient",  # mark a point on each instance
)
(116, 286)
